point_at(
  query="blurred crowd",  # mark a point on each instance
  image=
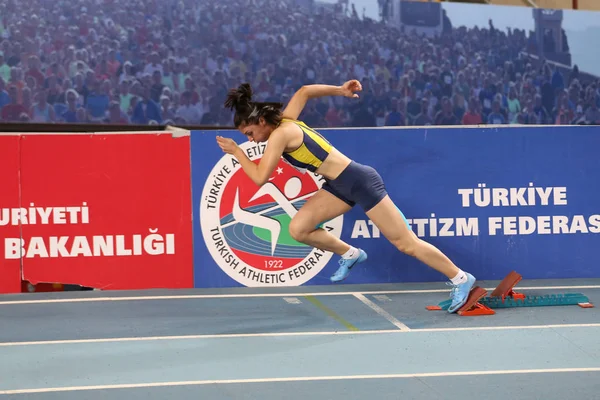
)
(173, 61)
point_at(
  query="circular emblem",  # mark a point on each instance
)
(246, 227)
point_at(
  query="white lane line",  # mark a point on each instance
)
(507, 328)
(283, 334)
(209, 296)
(303, 379)
(259, 295)
(382, 312)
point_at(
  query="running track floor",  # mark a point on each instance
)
(331, 342)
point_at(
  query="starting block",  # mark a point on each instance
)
(473, 306)
(506, 287)
(504, 296)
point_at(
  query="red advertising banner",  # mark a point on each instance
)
(108, 211)
(10, 269)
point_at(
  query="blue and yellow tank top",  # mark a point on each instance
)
(312, 152)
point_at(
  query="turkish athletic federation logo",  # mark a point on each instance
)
(245, 227)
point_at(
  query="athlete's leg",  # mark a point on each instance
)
(322, 206)
(390, 222)
(370, 193)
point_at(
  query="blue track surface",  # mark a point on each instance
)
(294, 343)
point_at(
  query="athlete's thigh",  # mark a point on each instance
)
(388, 219)
(322, 206)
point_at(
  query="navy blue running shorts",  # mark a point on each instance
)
(357, 184)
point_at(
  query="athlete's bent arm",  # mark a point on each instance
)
(305, 93)
(258, 173)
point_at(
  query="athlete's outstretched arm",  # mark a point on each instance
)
(258, 173)
(305, 93)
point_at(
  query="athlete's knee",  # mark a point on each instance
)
(298, 230)
(408, 245)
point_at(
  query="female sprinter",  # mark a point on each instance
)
(346, 182)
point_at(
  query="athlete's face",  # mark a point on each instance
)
(257, 133)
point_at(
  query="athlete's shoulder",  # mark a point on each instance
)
(291, 126)
(293, 121)
(287, 130)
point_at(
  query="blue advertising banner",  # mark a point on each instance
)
(493, 199)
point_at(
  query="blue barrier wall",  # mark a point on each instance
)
(492, 199)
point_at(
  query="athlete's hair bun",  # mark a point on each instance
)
(239, 99)
(249, 112)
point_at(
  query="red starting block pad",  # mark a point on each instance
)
(505, 288)
(473, 307)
